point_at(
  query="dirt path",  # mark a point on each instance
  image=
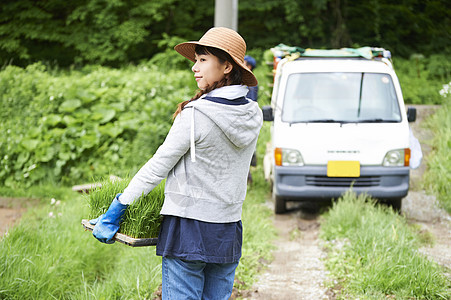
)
(297, 271)
(11, 210)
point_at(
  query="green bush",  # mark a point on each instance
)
(422, 77)
(439, 67)
(77, 125)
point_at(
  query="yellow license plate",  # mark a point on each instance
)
(343, 169)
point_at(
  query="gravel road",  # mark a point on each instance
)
(297, 271)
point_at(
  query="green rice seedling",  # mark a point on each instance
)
(142, 218)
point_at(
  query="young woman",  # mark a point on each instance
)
(205, 158)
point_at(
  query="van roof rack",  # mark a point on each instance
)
(282, 50)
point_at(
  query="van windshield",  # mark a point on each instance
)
(340, 97)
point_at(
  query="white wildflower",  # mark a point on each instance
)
(51, 215)
(445, 90)
(52, 201)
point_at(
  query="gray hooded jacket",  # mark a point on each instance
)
(205, 158)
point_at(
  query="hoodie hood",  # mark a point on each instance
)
(240, 119)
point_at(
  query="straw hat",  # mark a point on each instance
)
(227, 40)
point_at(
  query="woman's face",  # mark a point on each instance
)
(208, 69)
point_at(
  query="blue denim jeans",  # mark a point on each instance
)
(183, 280)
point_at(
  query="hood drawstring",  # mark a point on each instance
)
(193, 146)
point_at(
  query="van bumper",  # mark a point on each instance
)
(312, 183)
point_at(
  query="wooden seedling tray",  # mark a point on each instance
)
(125, 239)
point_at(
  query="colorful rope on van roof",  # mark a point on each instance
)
(283, 50)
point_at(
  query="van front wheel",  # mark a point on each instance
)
(396, 204)
(279, 204)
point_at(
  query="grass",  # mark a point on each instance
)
(258, 231)
(438, 175)
(50, 256)
(373, 253)
(141, 219)
(39, 191)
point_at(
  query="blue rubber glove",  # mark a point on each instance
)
(108, 224)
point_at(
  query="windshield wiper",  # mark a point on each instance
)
(319, 121)
(322, 121)
(376, 120)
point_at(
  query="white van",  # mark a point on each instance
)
(339, 120)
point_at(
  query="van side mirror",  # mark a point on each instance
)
(411, 114)
(267, 113)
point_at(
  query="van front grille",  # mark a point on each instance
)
(364, 181)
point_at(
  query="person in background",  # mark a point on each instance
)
(205, 159)
(251, 63)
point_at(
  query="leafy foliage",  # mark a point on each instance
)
(421, 77)
(94, 31)
(404, 27)
(83, 124)
(118, 31)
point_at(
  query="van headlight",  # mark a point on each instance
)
(288, 157)
(397, 158)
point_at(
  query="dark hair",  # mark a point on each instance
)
(235, 76)
(232, 78)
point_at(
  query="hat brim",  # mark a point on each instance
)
(187, 49)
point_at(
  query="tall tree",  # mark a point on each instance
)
(114, 32)
(89, 31)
